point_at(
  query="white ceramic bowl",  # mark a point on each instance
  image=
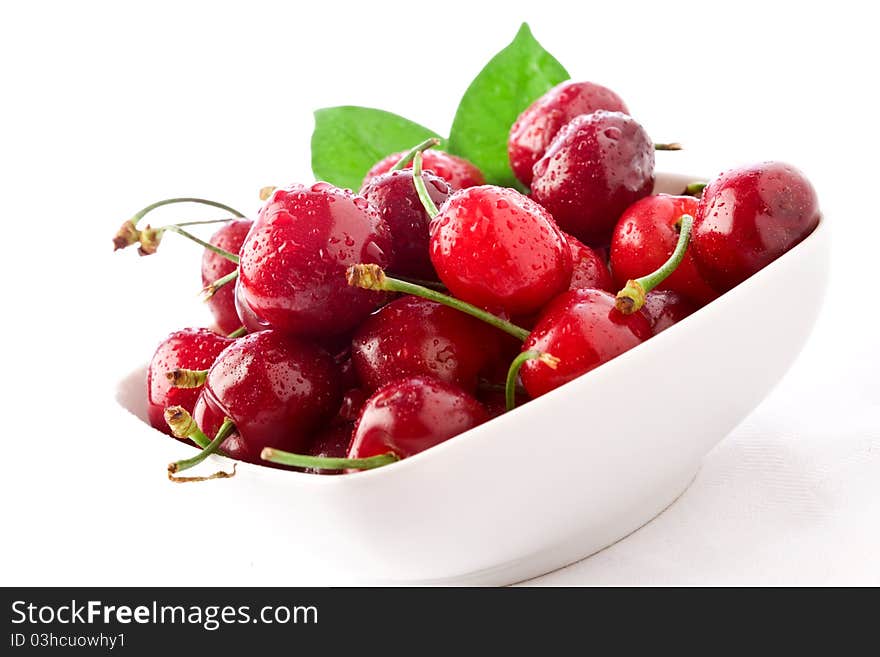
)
(557, 479)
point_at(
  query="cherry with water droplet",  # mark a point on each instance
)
(189, 349)
(748, 217)
(415, 337)
(664, 308)
(409, 416)
(293, 262)
(496, 248)
(597, 165)
(588, 268)
(645, 237)
(397, 202)
(536, 127)
(275, 388)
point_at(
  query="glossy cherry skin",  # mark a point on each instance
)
(583, 329)
(542, 120)
(597, 166)
(409, 416)
(214, 267)
(646, 236)
(456, 171)
(588, 268)
(293, 262)
(748, 217)
(494, 247)
(190, 348)
(394, 196)
(663, 308)
(275, 388)
(416, 337)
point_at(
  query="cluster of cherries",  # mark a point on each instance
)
(365, 328)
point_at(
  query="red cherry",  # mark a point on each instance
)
(598, 165)
(276, 389)
(191, 349)
(293, 263)
(583, 329)
(457, 171)
(394, 196)
(352, 403)
(646, 236)
(416, 337)
(588, 268)
(409, 416)
(494, 247)
(542, 120)
(665, 308)
(748, 217)
(214, 267)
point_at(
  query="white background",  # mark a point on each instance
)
(108, 106)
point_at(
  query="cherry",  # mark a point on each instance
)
(293, 262)
(276, 390)
(215, 267)
(664, 308)
(416, 337)
(748, 217)
(456, 171)
(395, 197)
(645, 237)
(191, 348)
(494, 247)
(588, 267)
(352, 403)
(409, 416)
(536, 127)
(597, 165)
(582, 329)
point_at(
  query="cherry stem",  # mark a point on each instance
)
(421, 190)
(512, 373)
(411, 153)
(371, 277)
(237, 333)
(266, 192)
(178, 466)
(183, 426)
(210, 290)
(434, 285)
(632, 297)
(169, 201)
(695, 189)
(674, 146)
(183, 378)
(326, 462)
(176, 229)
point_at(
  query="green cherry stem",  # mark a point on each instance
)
(210, 290)
(178, 466)
(695, 189)
(183, 426)
(371, 277)
(632, 297)
(674, 146)
(407, 157)
(150, 241)
(188, 199)
(183, 378)
(421, 190)
(326, 462)
(512, 373)
(237, 333)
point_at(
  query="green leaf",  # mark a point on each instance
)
(348, 140)
(510, 82)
